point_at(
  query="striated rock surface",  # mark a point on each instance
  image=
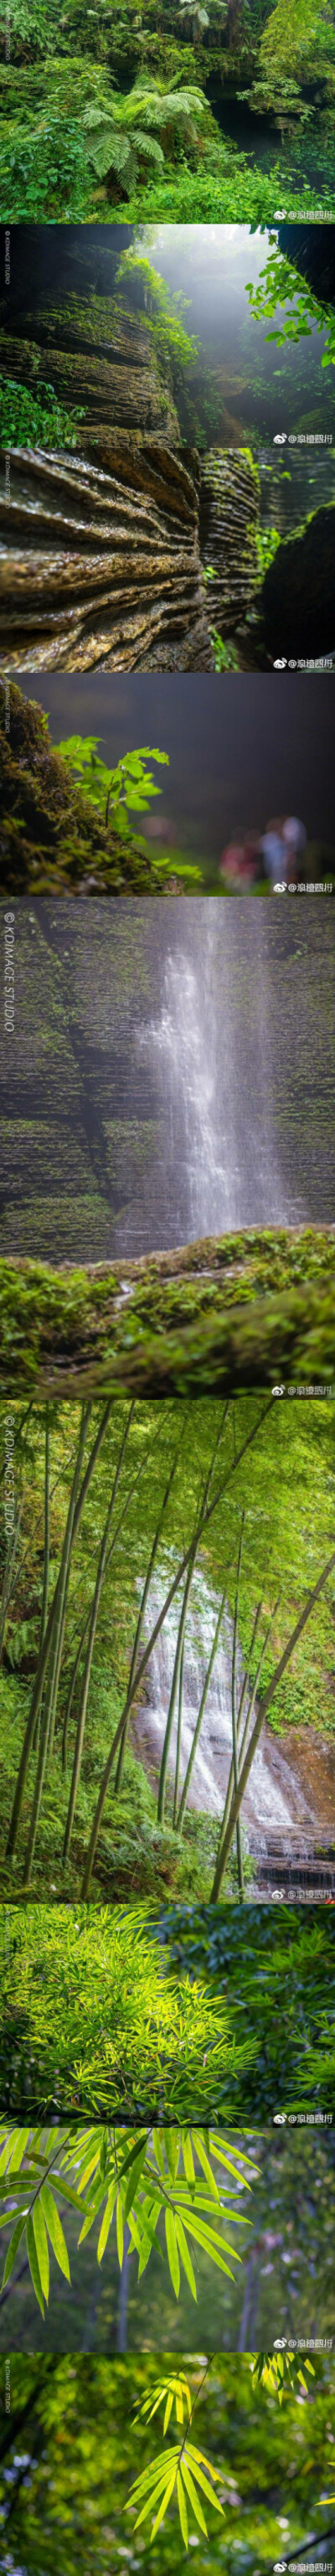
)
(229, 516)
(101, 565)
(98, 356)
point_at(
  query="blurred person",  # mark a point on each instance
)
(274, 852)
(295, 843)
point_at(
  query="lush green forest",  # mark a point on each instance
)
(77, 2429)
(98, 2019)
(136, 1532)
(225, 110)
(273, 2229)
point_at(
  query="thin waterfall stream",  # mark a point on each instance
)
(289, 1801)
(211, 1056)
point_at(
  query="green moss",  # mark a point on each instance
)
(257, 1307)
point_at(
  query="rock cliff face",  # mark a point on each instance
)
(51, 839)
(229, 516)
(103, 564)
(298, 591)
(97, 355)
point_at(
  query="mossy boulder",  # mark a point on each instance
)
(51, 837)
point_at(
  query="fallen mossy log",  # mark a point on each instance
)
(101, 562)
(233, 1313)
(52, 840)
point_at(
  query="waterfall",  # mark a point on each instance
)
(275, 1802)
(209, 1046)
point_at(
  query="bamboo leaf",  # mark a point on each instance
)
(55, 2230)
(41, 2242)
(172, 2251)
(135, 2177)
(206, 2167)
(163, 2507)
(119, 2228)
(34, 2265)
(194, 2498)
(12, 2249)
(186, 2257)
(182, 2508)
(106, 2221)
(188, 2158)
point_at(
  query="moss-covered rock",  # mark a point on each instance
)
(298, 591)
(51, 837)
(223, 1314)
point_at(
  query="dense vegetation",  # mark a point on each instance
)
(279, 2271)
(188, 1329)
(113, 1513)
(113, 109)
(97, 2020)
(77, 2429)
(67, 819)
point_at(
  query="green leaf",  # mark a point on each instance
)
(182, 2508)
(15, 2241)
(55, 2230)
(41, 2242)
(106, 2221)
(188, 2158)
(163, 2506)
(186, 2257)
(34, 2265)
(119, 2228)
(194, 2498)
(172, 2251)
(135, 2177)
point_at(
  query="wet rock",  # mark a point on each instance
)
(101, 563)
(298, 591)
(229, 516)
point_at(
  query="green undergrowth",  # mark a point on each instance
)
(135, 1858)
(34, 420)
(222, 1314)
(117, 2012)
